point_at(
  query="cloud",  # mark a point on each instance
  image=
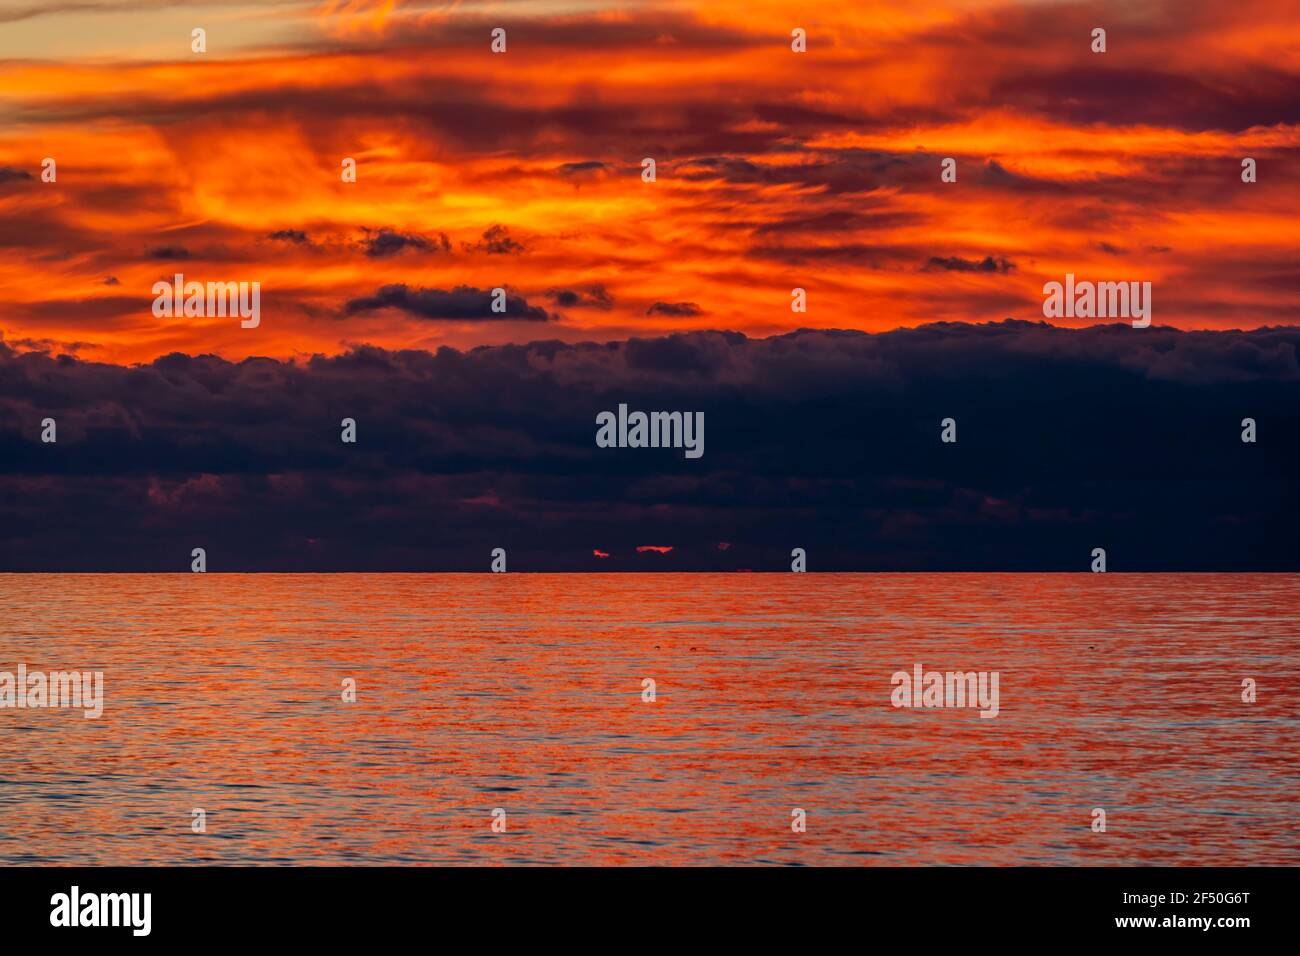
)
(591, 297)
(756, 180)
(496, 241)
(832, 172)
(675, 309)
(1083, 94)
(581, 169)
(1067, 440)
(957, 264)
(380, 243)
(462, 302)
(47, 345)
(169, 253)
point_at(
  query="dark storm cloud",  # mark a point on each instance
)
(1067, 440)
(47, 345)
(462, 302)
(496, 241)
(836, 171)
(675, 309)
(958, 264)
(380, 243)
(591, 297)
(290, 235)
(585, 167)
(10, 175)
(169, 253)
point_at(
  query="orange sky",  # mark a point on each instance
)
(523, 170)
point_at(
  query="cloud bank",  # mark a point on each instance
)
(827, 440)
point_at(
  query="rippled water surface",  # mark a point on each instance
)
(524, 692)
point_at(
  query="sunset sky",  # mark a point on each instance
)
(522, 170)
(775, 170)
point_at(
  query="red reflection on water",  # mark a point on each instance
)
(524, 692)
